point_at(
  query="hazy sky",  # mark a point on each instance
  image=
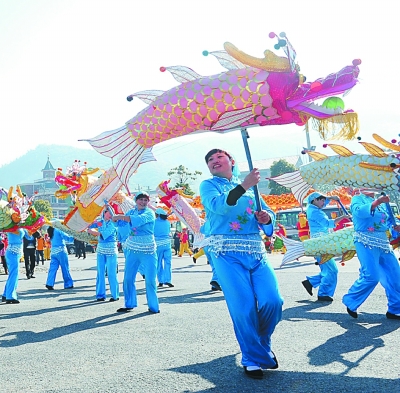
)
(66, 67)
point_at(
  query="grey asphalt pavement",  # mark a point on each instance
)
(65, 341)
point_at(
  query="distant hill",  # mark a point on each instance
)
(188, 151)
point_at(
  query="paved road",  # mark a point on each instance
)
(65, 341)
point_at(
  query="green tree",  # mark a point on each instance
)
(183, 178)
(44, 208)
(279, 168)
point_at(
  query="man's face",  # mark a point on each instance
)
(319, 202)
(220, 165)
(141, 203)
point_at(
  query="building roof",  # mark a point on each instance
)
(267, 163)
(48, 166)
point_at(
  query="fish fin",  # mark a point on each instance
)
(325, 258)
(373, 149)
(227, 61)
(125, 152)
(147, 96)
(341, 150)
(376, 167)
(316, 156)
(183, 74)
(295, 182)
(386, 143)
(232, 119)
(294, 250)
(348, 255)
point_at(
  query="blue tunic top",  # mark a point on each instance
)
(162, 229)
(233, 228)
(58, 241)
(108, 239)
(318, 221)
(15, 241)
(141, 237)
(370, 226)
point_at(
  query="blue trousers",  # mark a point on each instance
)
(327, 279)
(132, 262)
(255, 305)
(109, 262)
(214, 275)
(164, 267)
(376, 266)
(10, 289)
(59, 260)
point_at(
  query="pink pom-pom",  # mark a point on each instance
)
(271, 35)
(163, 69)
(393, 141)
(325, 145)
(356, 62)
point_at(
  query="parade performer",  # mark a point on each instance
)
(140, 247)
(184, 243)
(246, 277)
(320, 224)
(3, 248)
(107, 254)
(162, 229)
(303, 227)
(59, 258)
(13, 255)
(377, 260)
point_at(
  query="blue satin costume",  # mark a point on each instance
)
(162, 230)
(107, 254)
(247, 279)
(320, 224)
(377, 260)
(13, 255)
(59, 258)
(141, 247)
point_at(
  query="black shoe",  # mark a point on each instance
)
(168, 284)
(153, 312)
(194, 259)
(32, 276)
(307, 285)
(113, 300)
(50, 288)
(12, 301)
(325, 299)
(143, 276)
(69, 287)
(160, 285)
(124, 309)
(389, 315)
(101, 299)
(3, 298)
(255, 374)
(28, 277)
(215, 286)
(352, 313)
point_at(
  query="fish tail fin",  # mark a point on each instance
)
(123, 149)
(294, 250)
(295, 182)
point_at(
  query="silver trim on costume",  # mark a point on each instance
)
(373, 239)
(143, 244)
(15, 249)
(163, 242)
(108, 248)
(243, 244)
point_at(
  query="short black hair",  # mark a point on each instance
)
(213, 151)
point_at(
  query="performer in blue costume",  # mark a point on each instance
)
(162, 229)
(107, 254)
(140, 247)
(246, 277)
(13, 255)
(320, 224)
(59, 258)
(377, 260)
